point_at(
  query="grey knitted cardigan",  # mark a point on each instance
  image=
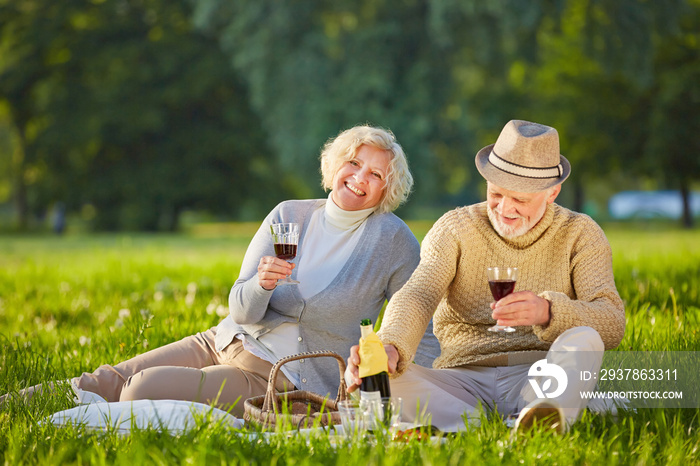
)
(385, 256)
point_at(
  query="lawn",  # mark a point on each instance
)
(70, 304)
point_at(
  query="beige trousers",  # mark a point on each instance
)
(189, 369)
(449, 397)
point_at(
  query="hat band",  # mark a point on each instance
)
(525, 172)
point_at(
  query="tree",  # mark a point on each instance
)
(316, 68)
(673, 147)
(445, 75)
(106, 94)
(22, 71)
(121, 105)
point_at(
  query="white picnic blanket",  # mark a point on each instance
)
(173, 416)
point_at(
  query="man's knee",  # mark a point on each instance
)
(580, 339)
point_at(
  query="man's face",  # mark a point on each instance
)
(513, 214)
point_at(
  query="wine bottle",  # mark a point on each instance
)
(375, 385)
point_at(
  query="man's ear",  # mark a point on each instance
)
(553, 195)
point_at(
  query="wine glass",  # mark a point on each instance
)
(286, 238)
(502, 283)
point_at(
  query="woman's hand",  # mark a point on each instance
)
(271, 269)
(352, 371)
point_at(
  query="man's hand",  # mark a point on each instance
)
(271, 269)
(521, 308)
(352, 371)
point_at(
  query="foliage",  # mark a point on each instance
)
(139, 109)
(63, 311)
(675, 108)
(120, 105)
(446, 75)
(316, 68)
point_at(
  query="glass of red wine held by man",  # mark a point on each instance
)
(502, 283)
(286, 238)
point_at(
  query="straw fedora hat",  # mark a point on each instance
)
(525, 158)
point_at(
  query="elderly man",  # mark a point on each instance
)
(566, 310)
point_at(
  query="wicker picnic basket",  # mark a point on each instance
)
(298, 408)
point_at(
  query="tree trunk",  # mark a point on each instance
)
(687, 218)
(19, 166)
(169, 218)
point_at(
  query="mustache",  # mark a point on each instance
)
(498, 212)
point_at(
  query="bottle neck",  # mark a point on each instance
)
(366, 330)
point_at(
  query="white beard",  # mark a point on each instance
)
(511, 232)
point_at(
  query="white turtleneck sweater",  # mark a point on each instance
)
(332, 235)
(331, 238)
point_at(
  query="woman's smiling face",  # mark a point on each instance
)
(360, 183)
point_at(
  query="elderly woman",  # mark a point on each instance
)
(353, 255)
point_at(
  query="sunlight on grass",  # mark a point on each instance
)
(70, 304)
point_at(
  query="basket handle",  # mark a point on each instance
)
(271, 394)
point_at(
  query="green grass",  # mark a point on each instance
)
(70, 304)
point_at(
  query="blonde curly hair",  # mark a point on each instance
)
(344, 147)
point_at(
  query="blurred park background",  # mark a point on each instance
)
(149, 114)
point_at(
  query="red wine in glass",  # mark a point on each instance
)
(502, 283)
(500, 288)
(285, 237)
(286, 251)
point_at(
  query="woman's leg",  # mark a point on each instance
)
(27, 393)
(239, 376)
(195, 351)
(107, 381)
(189, 369)
(225, 387)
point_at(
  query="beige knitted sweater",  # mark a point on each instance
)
(565, 259)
